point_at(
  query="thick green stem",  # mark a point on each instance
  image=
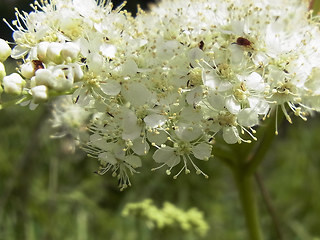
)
(249, 205)
(244, 164)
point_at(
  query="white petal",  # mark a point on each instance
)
(188, 132)
(140, 146)
(224, 86)
(129, 68)
(210, 79)
(192, 115)
(111, 88)
(202, 151)
(194, 96)
(155, 120)
(18, 52)
(131, 130)
(158, 137)
(255, 82)
(237, 56)
(233, 105)
(166, 155)
(195, 54)
(106, 158)
(134, 161)
(97, 141)
(136, 93)
(230, 135)
(248, 117)
(216, 101)
(108, 50)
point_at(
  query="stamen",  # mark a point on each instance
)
(284, 110)
(250, 134)
(198, 170)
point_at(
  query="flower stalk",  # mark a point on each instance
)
(245, 187)
(244, 172)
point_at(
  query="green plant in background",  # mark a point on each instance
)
(168, 217)
(177, 84)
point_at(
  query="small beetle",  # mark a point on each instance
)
(243, 42)
(37, 64)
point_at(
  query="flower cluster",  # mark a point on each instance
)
(167, 81)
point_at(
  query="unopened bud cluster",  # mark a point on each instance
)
(169, 80)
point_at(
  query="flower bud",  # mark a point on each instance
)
(33, 82)
(2, 71)
(44, 77)
(27, 70)
(70, 51)
(5, 50)
(63, 79)
(78, 73)
(13, 83)
(42, 50)
(39, 93)
(54, 52)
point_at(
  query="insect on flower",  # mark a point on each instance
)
(243, 42)
(201, 45)
(37, 64)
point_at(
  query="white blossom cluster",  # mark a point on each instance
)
(164, 83)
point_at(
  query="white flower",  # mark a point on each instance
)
(59, 78)
(121, 164)
(70, 51)
(39, 93)
(70, 118)
(27, 70)
(54, 52)
(170, 80)
(42, 49)
(5, 50)
(13, 83)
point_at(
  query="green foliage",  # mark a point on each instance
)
(168, 217)
(316, 6)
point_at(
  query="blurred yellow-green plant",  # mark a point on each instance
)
(169, 216)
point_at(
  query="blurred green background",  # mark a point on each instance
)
(49, 192)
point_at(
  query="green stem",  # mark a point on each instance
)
(244, 176)
(257, 154)
(14, 102)
(28, 97)
(249, 205)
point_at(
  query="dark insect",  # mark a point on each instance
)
(110, 114)
(243, 42)
(201, 45)
(77, 99)
(37, 64)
